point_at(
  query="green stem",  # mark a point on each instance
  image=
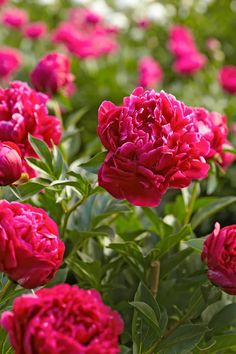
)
(189, 209)
(155, 275)
(57, 109)
(68, 213)
(9, 287)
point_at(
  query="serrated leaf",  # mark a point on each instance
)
(211, 209)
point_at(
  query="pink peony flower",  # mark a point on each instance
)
(153, 145)
(227, 158)
(63, 319)
(3, 2)
(35, 30)
(31, 251)
(10, 61)
(219, 255)
(150, 72)
(10, 163)
(190, 64)
(143, 23)
(15, 18)
(52, 74)
(227, 78)
(188, 59)
(24, 111)
(86, 35)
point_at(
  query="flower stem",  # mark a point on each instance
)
(68, 213)
(190, 206)
(155, 274)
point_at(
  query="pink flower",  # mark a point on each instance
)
(190, 64)
(35, 30)
(213, 126)
(188, 59)
(3, 2)
(227, 158)
(150, 72)
(219, 255)
(10, 61)
(227, 78)
(31, 249)
(10, 163)
(143, 23)
(63, 319)
(24, 111)
(52, 74)
(15, 18)
(212, 44)
(85, 35)
(153, 145)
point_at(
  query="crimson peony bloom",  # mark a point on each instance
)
(35, 30)
(31, 251)
(182, 45)
(227, 78)
(10, 163)
(24, 111)
(15, 18)
(10, 61)
(153, 145)
(85, 34)
(63, 319)
(150, 72)
(219, 255)
(52, 74)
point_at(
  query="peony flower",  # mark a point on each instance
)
(15, 18)
(31, 251)
(182, 45)
(190, 64)
(10, 61)
(213, 126)
(24, 111)
(52, 74)
(85, 34)
(227, 78)
(143, 23)
(150, 72)
(153, 145)
(10, 163)
(219, 255)
(3, 2)
(227, 158)
(63, 319)
(35, 30)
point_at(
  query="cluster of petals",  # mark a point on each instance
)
(150, 72)
(35, 30)
(219, 255)
(15, 18)
(52, 74)
(213, 127)
(188, 60)
(10, 61)
(63, 319)
(227, 78)
(85, 34)
(24, 111)
(31, 251)
(153, 144)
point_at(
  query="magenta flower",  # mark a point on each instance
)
(52, 74)
(153, 145)
(63, 319)
(10, 61)
(35, 30)
(227, 78)
(10, 163)
(219, 255)
(15, 18)
(150, 72)
(31, 249)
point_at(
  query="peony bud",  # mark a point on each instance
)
(10, 163)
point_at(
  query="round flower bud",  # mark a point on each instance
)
(10, 163)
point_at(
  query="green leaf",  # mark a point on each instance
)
(223, 342)
(224, 318)
(94, 163)
(196, 244)
(39, 165)
(169, 264)
(42, 150)
(160, 227)
(182, 340)
(27, 190)
(147, 313)
(211, 209)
